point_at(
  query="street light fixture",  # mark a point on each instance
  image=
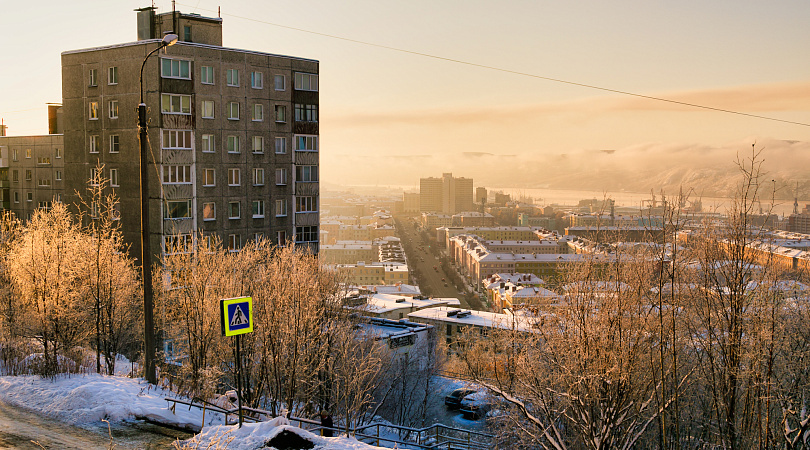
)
(146, 254)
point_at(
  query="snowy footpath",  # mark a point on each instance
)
(84, 399)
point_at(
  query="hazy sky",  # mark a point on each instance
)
(379, 105)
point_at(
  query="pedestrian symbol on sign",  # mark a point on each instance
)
(238, 318)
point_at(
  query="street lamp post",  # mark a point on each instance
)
(146, 253)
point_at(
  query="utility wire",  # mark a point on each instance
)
(514, 72)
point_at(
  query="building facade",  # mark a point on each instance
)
(233, 134)
(447, 195)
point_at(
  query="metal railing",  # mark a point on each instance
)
(433, 437)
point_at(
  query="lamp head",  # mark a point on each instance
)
(169, 40)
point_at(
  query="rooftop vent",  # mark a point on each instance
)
(453, 312)
(463, 314)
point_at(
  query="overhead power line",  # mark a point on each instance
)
(514, 72)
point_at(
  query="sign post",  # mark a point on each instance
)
(236, 319)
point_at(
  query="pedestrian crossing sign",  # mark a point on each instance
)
(236, 315)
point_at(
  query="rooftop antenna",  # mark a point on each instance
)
(219, 13)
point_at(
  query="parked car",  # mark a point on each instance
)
(453, 400)
(475, 406)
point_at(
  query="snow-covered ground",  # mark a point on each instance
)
(84, 400)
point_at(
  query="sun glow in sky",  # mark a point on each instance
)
(379, 106)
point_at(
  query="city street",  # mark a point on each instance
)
(431, 277)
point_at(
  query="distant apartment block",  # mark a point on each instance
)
(32, 169)
(233, 134)
(800, 223)
(447, 195)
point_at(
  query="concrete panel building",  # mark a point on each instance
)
(233, 134)
(32, 168)
(448, 195)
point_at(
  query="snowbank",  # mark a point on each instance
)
(262, 435)
(83, 399)
(86, 399)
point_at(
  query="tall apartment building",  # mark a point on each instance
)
(446, 195)
(233, 134)
(32, 169)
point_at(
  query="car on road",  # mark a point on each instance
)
(453, 399)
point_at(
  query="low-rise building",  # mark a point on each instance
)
(361, 274)
(348, 252)
(396, 307)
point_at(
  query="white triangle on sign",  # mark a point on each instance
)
(239, 317)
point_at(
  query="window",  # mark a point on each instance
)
(258, 209)
(176, 174)
(15, 176)
(281, 145)
(306, 204)
(306, 82)
(207, 75)
(175, 68)
(14, 154)
(58, 197)
(281, 238)
(209, 177)
(113, 109)
(306, 113)
(93, 144)
(177, 209)
(306, 174)
(234, 210)
(175, 104)
(234, 242)
(58, 175)
(208, 109)
(58, 153)
(232, 77)
(208, 143)
(258, 237)
(29, 175)
(306, 234)
(258, 144)
(233, 111)
(29, 196)
(233, 144)
(256, 80)
(178, 243)
(281, 113)
(258, 176)
(115, 143)
(281, 208)
(209, 211)
(280, 82)
(281, 176)
(28, 153)
(114, 177)
(112, 75)
(306, 143)
(94, 177)
(234, 177)
(93, 77)
(16, 197)
(93, 114)
(180, 139)
(258, 112)
(187, 33)
(43, 182)
(45, 160)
